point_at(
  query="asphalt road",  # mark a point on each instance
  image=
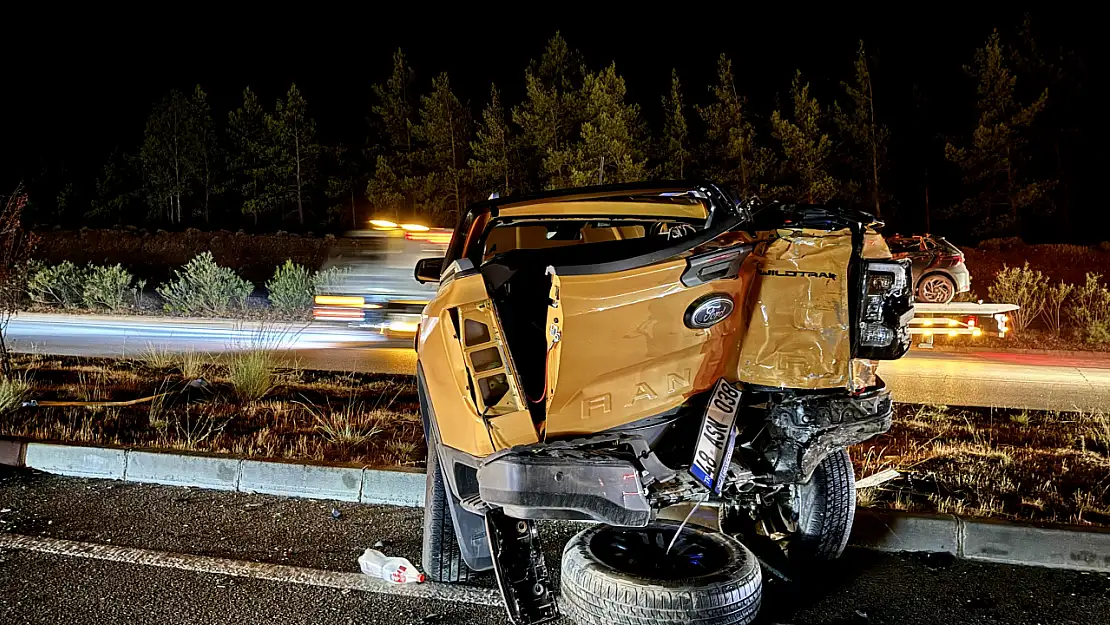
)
(862, 588)
(986, 378)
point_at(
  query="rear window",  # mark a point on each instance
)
(902, 246)
(553, 234)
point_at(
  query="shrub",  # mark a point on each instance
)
(1055, 297)
(12, 392)
(204, 287)
(1090, 306)
(348, 427)
(59, 285)
(1096, 332)
(251, 373)
(106, 287)
(1025, 287)
(292, 286)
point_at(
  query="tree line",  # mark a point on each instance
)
(429, 153)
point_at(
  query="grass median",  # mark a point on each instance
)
(244, 404)
(1009, 464)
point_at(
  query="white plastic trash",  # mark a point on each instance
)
(393, 570)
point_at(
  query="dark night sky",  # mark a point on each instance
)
(74, 90)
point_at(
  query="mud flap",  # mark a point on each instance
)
(470, 530)
(521, 571)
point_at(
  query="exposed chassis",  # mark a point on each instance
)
(618, 478)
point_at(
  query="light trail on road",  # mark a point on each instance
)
(986, 379)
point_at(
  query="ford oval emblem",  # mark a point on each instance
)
(708, 311)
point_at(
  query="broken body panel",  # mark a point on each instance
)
(570, 350)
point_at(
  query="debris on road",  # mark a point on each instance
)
(881, 477)
(394, 570)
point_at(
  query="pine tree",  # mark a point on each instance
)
(610, 148)
(385, 189)
(493, 163)
(994, 162)
(205, 153)
(864, 138)
(295, 150)
(395, 184)
(251, 144)
(168, 170)
(805, 147)
(734, 157)
(444, 130)
(394, 109)
(348, 175)
(674, 150)
(115, 189)
(551, 112)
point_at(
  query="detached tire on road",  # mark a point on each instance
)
(826, 507)
(442, 559)
(624, 576)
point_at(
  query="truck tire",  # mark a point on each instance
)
(613, 575)
(443, 561)
(826, 506)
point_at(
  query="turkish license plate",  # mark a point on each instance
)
(717, 437)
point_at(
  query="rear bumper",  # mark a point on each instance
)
(962, 277)
(533, 485)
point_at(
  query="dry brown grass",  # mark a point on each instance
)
(350, 418)
(348, 426)
(252, 373)
(12, 392)
(1029, 465)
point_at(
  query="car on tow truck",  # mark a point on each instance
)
(603, 354)
(939, 272)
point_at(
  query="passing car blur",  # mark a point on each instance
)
(375, 288)
(939, 272)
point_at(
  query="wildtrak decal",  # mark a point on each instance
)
(797, 274)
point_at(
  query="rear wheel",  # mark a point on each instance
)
(443, 561)
(628, 576)
(936, 289)
(824, 509)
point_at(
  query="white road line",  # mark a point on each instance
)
(254, 570)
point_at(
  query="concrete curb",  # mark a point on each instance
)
(380, 486)
(1083, 549)
(1032, 351)
(984, 540)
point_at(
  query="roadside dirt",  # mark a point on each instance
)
(1022, 465)
(350, 418)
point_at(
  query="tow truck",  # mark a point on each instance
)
(954, 319)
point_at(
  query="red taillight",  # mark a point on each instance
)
(971, 322)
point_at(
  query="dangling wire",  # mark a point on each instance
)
(546, 379)
(685, 521)
(489, 432)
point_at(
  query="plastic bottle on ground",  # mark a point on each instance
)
(393, 570)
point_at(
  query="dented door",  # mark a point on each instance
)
(479, 407)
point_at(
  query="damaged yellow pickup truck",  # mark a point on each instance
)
(602, 354)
